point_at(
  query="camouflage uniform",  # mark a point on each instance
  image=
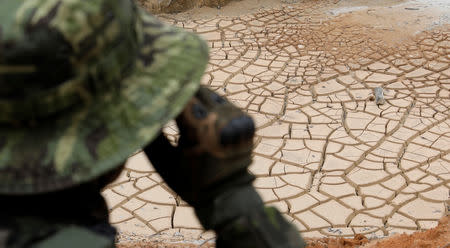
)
(84, 84)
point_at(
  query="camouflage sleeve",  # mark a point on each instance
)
(36, 232)
(241, 220)
(76, 217)
(75, 237)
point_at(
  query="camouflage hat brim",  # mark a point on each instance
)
(63, 152)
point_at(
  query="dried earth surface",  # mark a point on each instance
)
(438, 237)
(337, 159)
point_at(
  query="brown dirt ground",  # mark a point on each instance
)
(438, 237)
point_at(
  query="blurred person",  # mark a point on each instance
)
(85, 84)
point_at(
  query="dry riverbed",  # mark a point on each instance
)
(351, 100)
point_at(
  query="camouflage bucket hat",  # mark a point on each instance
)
(84, 84)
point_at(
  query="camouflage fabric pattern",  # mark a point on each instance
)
(60, 218)
(265, 228)
(239, 218)
(39, 232)
(83, 84)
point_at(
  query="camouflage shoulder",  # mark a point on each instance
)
(75, 237)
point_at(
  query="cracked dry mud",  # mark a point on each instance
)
(328, 154)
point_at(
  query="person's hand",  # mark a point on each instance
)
(216, 140)
(208, 169)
